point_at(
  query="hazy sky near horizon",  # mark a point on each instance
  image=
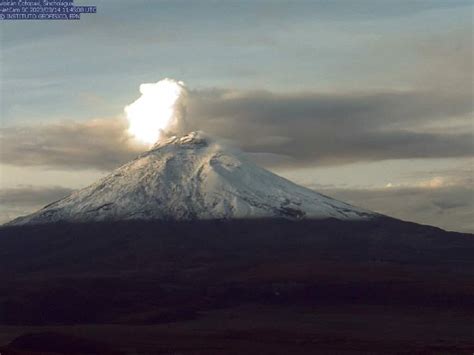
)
(369, 101)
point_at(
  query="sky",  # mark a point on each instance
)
(367, 101)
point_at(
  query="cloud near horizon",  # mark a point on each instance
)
(22, 200)
(448, 206)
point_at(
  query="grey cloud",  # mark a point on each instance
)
(334, 128)
(278, 129)
(94, 144)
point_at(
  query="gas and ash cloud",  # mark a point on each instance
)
(279, 129)
(307, 128)
(95, 144)
(159, 112)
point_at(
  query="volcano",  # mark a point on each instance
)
(193, 249)
(193, 177)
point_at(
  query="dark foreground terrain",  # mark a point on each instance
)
(227, 287)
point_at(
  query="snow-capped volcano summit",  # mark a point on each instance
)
(192, 177)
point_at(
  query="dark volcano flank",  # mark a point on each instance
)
(73, 270)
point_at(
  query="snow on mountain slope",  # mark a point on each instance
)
(192, 177)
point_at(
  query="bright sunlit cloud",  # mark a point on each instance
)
(433, 183)
(160, 111)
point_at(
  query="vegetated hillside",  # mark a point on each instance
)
(154, 272)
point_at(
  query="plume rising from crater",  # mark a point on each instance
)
(159, 112)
